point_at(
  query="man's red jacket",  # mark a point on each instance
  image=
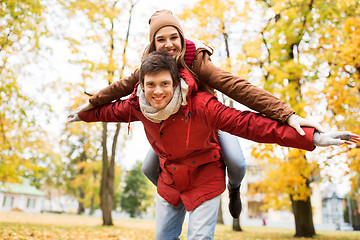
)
(187, 142)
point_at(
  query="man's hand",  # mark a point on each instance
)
(334, 138)
(74, 118)
(296, 122)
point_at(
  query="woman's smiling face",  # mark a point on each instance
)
(168, 39)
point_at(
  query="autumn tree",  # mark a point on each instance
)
(338, 50)
(292, 71)
(287, 173)
(23, 142)
(103, 32)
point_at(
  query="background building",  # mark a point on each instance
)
(20, 197)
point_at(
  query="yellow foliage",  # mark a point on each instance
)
(213, 17)
(253, 49)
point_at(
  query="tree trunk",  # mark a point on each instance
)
(236, 225)
(105, 199)
(108, 174)
(83, 158)
(81, 208)
(107, 180)
(220, 219)
(92, 208)
(303, 218)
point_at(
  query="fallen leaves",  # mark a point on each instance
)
(71, 227)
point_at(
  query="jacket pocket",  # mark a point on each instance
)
(206, 173)
(166, 178)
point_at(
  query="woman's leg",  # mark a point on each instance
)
(151, 167)
(202, 220)
(233, 158)
(236, 167)
(168, 219)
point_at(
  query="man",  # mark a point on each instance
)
(182, 125)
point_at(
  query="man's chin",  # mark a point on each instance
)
(158, 107)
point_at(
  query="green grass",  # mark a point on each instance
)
(53, 226)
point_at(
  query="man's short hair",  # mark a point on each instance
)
(159, 61)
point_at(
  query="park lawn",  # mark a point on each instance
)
(61, 226)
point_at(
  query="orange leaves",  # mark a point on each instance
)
(342, 4)
(314, 45)
(284, 172)
(253, 49)
(71, 227)
(56, 233)
(214, 18)
(354, 160)
(22, 139)
(56, 227)
(342, 86)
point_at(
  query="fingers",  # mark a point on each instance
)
(334, 138)
(296, 122)
(351, 138)
(70, 119)
(83, 108)
(354, 138)
(73, 118)
(341, 135)
(308, 123)
(299, 129)
(318, 127)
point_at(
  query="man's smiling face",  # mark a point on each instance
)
(159, 89)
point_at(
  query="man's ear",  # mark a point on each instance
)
(142, 87)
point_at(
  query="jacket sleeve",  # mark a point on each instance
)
(119, 111)
(116, 90)
(239, 89)
(254, 126)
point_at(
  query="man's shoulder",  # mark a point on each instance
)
(201, 97)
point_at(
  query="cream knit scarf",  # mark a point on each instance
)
(157, 116)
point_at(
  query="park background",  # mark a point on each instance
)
(304, 52)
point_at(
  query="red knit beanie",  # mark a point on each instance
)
(161, 19)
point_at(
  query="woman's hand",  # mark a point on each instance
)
(83, 108)
(74, 117)
(297, 122)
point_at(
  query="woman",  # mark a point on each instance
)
(166, 34)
